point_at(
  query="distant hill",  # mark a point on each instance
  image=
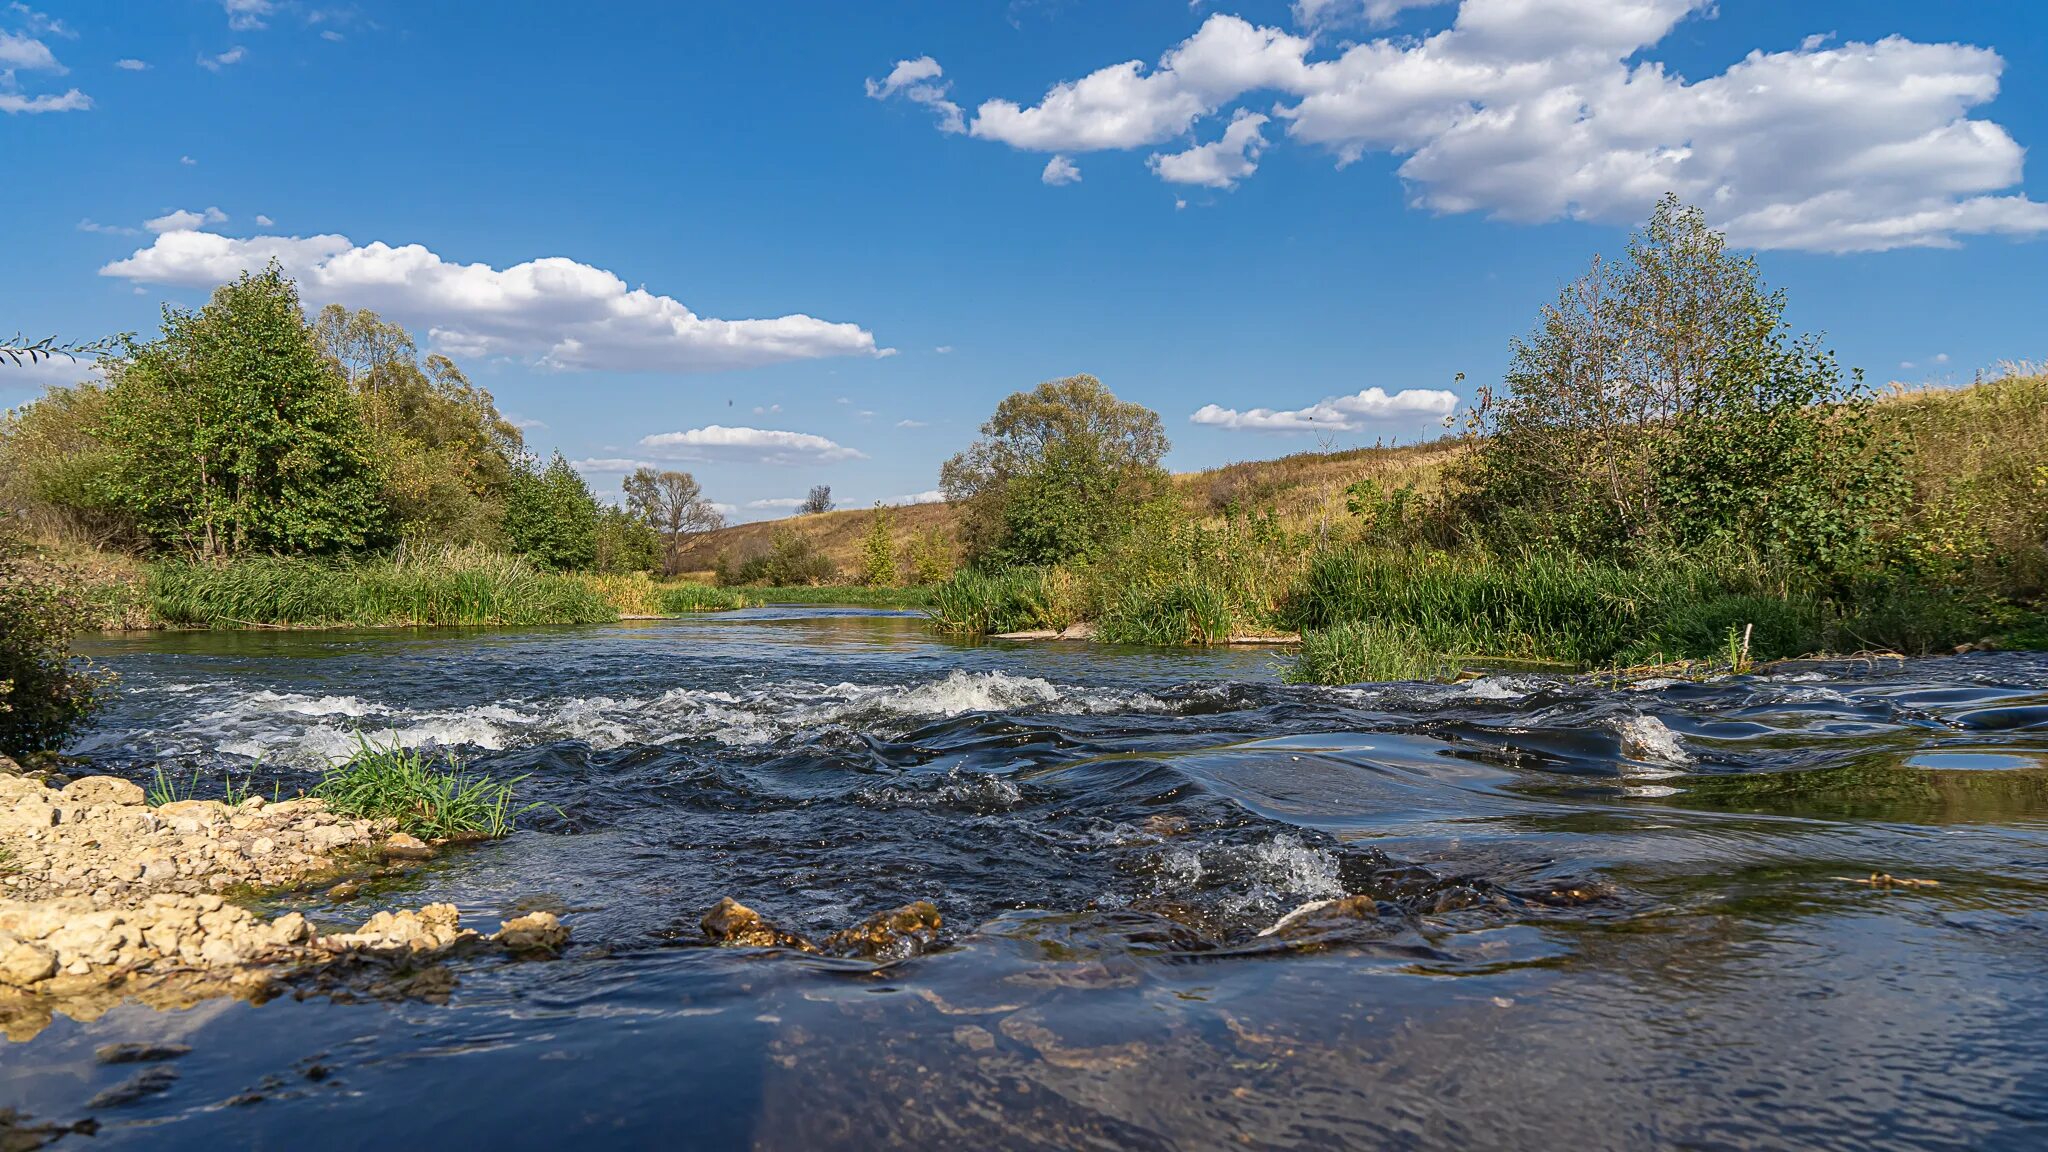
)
(1303, 489)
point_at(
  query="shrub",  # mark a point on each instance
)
(931, 557)
(793, 557)
(878, 551)
(398, 784)
(551, 516)
(45, 694)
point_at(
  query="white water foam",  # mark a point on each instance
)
(1646, 739)
(310, 731)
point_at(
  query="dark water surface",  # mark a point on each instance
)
(1609, 919)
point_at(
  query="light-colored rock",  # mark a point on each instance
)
(103, 790)
(404, 846)
(535, 932)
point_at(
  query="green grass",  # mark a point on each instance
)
(459, 587)
(166, 788)
(400, 784)
(978, 603)
(847, 595)
(1185, 611)
(1356, 652)
(681, 599)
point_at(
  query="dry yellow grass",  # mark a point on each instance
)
(1305, 489)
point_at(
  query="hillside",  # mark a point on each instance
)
(1303, 488)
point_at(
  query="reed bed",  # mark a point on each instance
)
(682, 599)
(452, 586)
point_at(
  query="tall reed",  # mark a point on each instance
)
(450, 586)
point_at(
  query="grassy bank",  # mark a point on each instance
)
(845, 595)
(455, 587)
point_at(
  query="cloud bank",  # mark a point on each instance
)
(1534, 110)
(555, 311)
(1336, 413)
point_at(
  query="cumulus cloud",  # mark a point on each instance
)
(920, 81)
(911, 424)
(220, 60)
(1335, 413)
(776, 503)
(28, 54)
(929, 496)
(1220, 163)
(1328, 13)
(71, 101)
(88, 224)
(263, 221)
(1060, 170)
(1536, 110)
(756, 445)
(130, 64)
(181, 220)
(563, 314)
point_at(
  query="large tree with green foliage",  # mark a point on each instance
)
(445, 454)
(1664, 403)
(551, 516)
(232, 434)
(1055, 473)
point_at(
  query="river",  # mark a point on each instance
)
(1609, 918)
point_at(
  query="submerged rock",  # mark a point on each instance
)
(884, 938)
(734, 924)
(897, 934)
(536, 933)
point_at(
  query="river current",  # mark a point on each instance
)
(1608, 916)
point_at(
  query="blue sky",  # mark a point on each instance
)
(796, 243)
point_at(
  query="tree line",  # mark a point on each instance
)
(243, 428)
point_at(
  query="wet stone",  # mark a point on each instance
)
(733, 924)
(139, 1053)
(897, 934)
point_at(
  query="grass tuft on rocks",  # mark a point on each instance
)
(402, 785)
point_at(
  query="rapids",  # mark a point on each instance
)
(1609, 917)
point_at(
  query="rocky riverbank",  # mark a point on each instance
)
(109, 898)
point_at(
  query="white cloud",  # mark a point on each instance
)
(523, 423)
(1060, 170)
(90, 225)
(564, 314)
(19, 53)
(72, 101)
(912, 424)
(221, 60)
(130, 64)
(1537, 110)
(1336, 413)
(332, 36)
(180, 220)
(244, 15)
(611, 465)
(187, 161)
(775, 503)
(47, 371)
(930, 496)
(758, 445)
(944, 349)
(920, 81)
(1220, 163)
(263, 221)
(768, 410)
(28, 54)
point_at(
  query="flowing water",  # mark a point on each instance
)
(1608, 918)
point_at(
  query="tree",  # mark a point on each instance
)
(446, 454)
(878, 550)
(1053, 472)
(232, 434)
(818, 502)
(673, 505)
(551, 516)
(625, 543)
(1662, 402)
(54, 468)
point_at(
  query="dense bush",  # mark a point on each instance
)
(792, 558)
(45, 694)
(552, 517)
